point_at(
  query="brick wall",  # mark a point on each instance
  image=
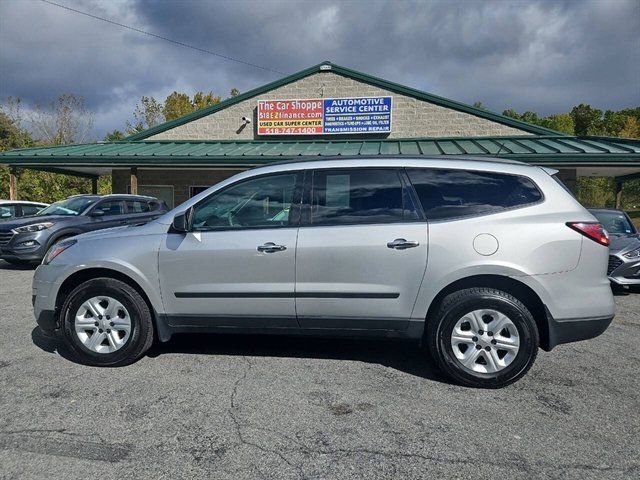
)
(411, 117)
(181, 180)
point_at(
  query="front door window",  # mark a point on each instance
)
(263, 202)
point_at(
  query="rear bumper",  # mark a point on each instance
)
(575, 329)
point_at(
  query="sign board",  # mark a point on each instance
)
(325, 116)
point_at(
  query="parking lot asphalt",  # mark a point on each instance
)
(245, 407)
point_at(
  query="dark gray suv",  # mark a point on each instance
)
(27, 240)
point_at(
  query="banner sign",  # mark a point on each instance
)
(324, 116)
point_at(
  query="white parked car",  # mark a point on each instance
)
(10, 209)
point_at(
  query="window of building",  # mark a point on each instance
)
(163, 193)
(196, 189)
(450, 193)
(359, 196)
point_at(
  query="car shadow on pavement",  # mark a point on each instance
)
(400, 355)
(9, 266)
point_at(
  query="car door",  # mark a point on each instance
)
(236, 267)
(106, 214)
(362, 250)
(141, 210)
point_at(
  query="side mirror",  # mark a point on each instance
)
(182, 222)
(96, 213)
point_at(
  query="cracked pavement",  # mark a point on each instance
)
(246, 407)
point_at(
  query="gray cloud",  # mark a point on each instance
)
(538, 55)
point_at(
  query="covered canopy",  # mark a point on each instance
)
(614, 157)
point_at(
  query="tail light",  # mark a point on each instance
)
(592, 230)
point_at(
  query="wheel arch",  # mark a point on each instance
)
(62, 234)
(522, 292)
(83, 275)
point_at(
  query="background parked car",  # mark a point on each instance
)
(624, 251)
(26, 240)
(10, 209)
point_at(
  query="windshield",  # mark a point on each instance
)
(615, 222)
(70, 206)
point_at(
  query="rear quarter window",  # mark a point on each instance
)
(450, 193)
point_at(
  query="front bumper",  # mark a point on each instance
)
(34, 250)
(624, 271)
(575, 329)
(45, 285)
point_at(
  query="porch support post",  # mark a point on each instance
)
(94, 185)
(13, 184)
(134, 180)
(619, 184)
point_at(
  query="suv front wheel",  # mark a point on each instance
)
(483, 337)
(106, 322)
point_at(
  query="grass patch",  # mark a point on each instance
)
(635, 217)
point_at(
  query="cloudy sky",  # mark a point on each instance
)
(528, 55)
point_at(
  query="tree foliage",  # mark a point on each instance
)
(150, 112)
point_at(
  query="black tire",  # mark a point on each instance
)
(140, 338)
(453, 307)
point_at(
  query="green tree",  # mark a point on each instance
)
(561, 122)
(147, 114)
(176, 105)
(11, 136)
(114, 136)
(179, 104)
(586, 120)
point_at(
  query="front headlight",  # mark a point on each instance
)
(633, 253)
(57, 249)
(36, 227)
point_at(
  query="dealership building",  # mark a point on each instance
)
(322, 111)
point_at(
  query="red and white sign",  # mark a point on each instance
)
(290, 117)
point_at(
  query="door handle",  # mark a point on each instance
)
(271, 247)
(402, 244)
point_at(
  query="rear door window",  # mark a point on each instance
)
(138, 206)
(451, 193)
(360, 196)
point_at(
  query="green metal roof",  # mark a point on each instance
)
(353, 74)
(551, 150)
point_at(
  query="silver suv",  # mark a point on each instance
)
(484, 261)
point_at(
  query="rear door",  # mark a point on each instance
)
(141, 210)
(362, 250)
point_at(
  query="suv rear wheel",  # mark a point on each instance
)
(483, 337)
(106, 322)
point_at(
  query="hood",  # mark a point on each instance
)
(624, 242)
(21, 222)
(151, 228)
